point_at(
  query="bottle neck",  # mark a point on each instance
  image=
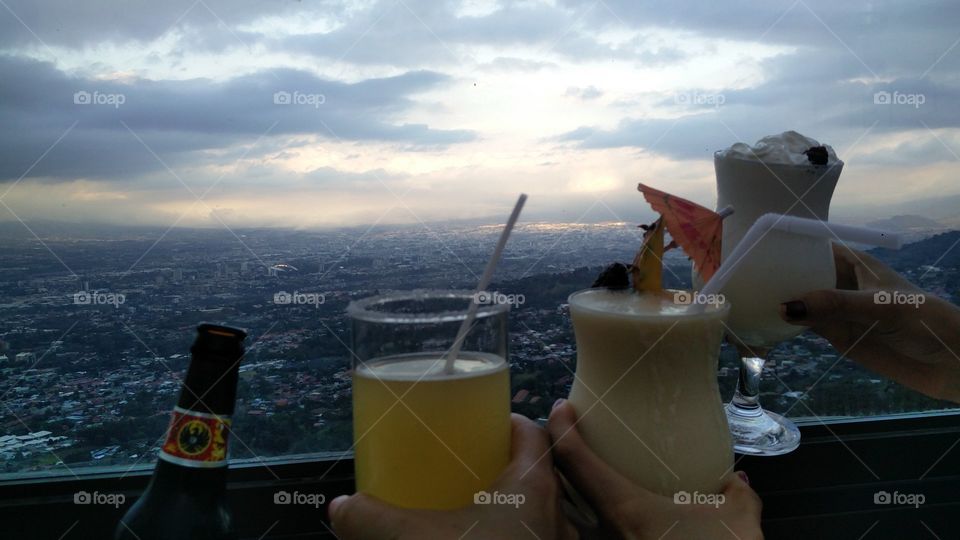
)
(200, 425)
(211, 383)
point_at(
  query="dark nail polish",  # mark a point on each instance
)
(743, 476)
(795, 310)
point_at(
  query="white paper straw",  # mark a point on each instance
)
(484, 282)
(795, 225)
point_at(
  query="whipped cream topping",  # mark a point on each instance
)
(786, 148)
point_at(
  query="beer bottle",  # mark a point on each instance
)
(186, 498)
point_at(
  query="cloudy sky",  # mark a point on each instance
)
(319, 113)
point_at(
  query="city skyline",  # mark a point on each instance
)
(213, 114)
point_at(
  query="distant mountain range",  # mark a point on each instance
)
(941, 250)
(915, 219)
(906, 223)
(911, 227)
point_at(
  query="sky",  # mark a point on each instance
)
(308, 113)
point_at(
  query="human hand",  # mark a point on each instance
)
(529, 474)
(629, 511)
(887, 324)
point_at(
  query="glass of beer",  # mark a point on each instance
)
(425, 436)
(646, 391)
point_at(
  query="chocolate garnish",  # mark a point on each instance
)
(614, 276)
(817, 155)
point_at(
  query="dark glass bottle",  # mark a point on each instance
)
(186, 498)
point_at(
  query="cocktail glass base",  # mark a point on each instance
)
(758, 432)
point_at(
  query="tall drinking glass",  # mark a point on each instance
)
(425, 438)
(646, 391)
(779, 267)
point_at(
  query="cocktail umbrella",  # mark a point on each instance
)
(696, 229)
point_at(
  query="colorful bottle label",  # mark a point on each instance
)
(196, 439)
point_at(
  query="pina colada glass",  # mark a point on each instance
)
(646, 390)
(778, 268)
(423, 437)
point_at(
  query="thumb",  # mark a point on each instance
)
(362, 517)
(831, 305)
(603, 487)
(744, 500)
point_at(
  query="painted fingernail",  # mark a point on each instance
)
(794, 310)
(743, 476)
(558, 402)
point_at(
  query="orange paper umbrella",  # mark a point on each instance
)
(698, 230)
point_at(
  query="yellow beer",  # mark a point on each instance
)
(428, 439)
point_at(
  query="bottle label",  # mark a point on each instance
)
(196, 439)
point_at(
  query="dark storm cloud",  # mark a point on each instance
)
(80, 24)
(816, 87)
(427, 32)
(180, 120)
(918, 30)
(387, 32)
(814, 91)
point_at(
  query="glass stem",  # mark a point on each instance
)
(747, 396)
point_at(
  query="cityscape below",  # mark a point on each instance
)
(98, 321)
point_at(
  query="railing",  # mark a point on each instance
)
(831, 487)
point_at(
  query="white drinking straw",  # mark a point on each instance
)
(795, 225)
(484, 282)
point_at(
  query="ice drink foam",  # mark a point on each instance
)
(787, 148)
